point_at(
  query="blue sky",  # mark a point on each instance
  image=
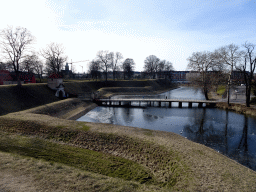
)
(170, 29)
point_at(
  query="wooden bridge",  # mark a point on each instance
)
(129, 102)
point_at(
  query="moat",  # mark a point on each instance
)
(229, 133)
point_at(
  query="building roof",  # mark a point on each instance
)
(55, 76)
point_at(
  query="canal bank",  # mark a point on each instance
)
(174, 161)
(234, 106)
(229, 133)
(193, 167)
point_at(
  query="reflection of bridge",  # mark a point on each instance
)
(120, 102)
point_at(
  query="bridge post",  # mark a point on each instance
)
(190, 105)
(109, 103)
(210, 105)
(180, 104)
(130, 103)
(200, 105)
(170, 104)
(119, 103)
(159, 104)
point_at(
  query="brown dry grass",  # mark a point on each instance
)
(28, 174)
(201, 168)
(206, 169)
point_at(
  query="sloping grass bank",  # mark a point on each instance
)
(239, 108)
(13, 98)
(104, 153)
(20, 173)
(83, 159)
(148, 159)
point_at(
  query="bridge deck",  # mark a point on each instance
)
(158, 100)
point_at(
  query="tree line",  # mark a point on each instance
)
(215, 68)
(154, 66)
(109, 61)
(106, 61)
(19, 55)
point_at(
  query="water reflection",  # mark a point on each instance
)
(228, 137)
(127, 114)
(229, 133)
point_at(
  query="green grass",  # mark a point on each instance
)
(84, 159)
(83, 126)
(148, 132)
(13, 98)
(221, 89)
(165, 165)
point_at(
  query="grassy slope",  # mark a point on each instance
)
(153, 165)
(13, 99)
(160, 160)
(164, 160)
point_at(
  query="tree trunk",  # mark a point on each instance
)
(106, 74)
(206, 94)
(248, 95)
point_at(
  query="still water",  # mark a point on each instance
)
(229, 133)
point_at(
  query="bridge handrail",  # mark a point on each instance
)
(160, 100)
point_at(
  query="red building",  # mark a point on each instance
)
(7, 77)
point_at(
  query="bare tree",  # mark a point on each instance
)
(32, 64)
(28, 63)
(94, 69)
(128, 66)
(202, 62)
(15, 44)
(164, 68)
(161, 67)
(38, 69)
(115, 60)
(151, 65)
(168, 67)
(55, 57)
(2, 66)
(250, 62)
(230, 55)
(106, 59)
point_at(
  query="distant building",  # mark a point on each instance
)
(238, 77)
(26, 77)
(7, 78)
(178, 75)
(67, 73)
(54, 81)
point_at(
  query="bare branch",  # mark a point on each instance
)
(15, 44)
(55, 58)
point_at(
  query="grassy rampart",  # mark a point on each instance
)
(41, 150)
(13, 98)
(137, 159)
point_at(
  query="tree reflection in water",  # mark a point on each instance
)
(200, 128)
(241, 152)
(149, 118)
(127, 114)
(227, 132)
(226, 140)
